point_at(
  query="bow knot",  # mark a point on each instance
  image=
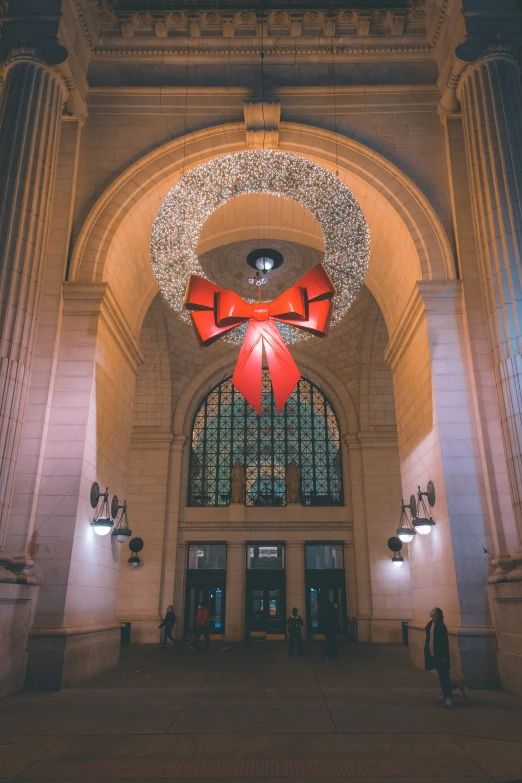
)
(260, 312)
(306, 305)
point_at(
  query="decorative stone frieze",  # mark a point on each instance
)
(128, 21)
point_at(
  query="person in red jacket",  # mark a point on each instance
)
(201, 627)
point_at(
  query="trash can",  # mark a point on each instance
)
(405, 633)
(125, 634)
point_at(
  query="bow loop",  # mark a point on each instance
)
(231, 309)
(306, 305)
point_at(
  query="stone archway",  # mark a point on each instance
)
(412, 277)
(412, 243)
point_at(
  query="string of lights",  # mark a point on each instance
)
(202, 190)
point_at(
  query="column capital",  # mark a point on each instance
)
(178, 442)
(427, 298)
(97, 299)
(472, 55)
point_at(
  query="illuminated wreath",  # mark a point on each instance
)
(200, 191)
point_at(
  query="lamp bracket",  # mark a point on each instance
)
(136, 545)
(430, 493)
(394, 544)
(412, 506)
(116, 505)
(95, 494)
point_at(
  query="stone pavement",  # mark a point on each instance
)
(248, 713)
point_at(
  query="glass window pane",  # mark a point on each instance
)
(266, 557)
(324, 556)
(207, 557)
(226, 429)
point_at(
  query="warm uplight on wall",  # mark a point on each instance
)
(102, 522)
(423, 523)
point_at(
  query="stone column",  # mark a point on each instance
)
(235, 597)
(295, 579)
(30, 116)
(361, 601)
(490, 93)
(170, 589)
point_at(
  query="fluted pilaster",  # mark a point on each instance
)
(30, 114)
(490, 93)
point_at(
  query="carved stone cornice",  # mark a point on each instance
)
(98, 299)
(246, 528)
(281, 27)
(308, 48)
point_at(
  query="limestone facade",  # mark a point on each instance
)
(104, 106)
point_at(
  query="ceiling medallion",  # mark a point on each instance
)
(202, 190)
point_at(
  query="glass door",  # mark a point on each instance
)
(319, 595)
(213, 597)
(265, 603)
(206, 584)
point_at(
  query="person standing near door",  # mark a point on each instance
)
(331, 629)
(436, 654)
(201, 627)
(168, 623)
(294, 624)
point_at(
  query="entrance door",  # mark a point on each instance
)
(265, 599)
(210, 592)
(265, 611)
(319, 593)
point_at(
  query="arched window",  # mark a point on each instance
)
(226, 428)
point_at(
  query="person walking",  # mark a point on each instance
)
(201, 627)
(331, 629)
(168, 623)
(437, 655)
(294, 624)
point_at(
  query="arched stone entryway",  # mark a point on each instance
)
(412, 277)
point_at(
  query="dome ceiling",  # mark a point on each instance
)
(227, 266)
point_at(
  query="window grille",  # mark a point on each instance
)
(226, 428)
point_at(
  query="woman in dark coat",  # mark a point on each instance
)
(168, 624)
(436, 653)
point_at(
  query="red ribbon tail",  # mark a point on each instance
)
(248, 374)
(284, 372)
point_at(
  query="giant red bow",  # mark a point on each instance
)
(306, 305)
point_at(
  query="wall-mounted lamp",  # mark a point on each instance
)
(102, 522)
(122, 531)
(422, 522)
(406, 531)
(135, 546)
(395, 546)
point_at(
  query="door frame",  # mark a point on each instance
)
(257, 579)
(328, 578)
(204, 578)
